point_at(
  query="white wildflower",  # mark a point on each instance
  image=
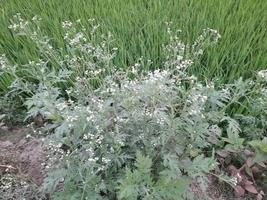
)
(263, 74)
(67, 24)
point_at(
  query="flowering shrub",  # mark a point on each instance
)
(144, 138)
(132, 134)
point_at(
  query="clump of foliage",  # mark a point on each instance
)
(134, 134)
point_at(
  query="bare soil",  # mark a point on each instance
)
(21, 159)
(22, 155)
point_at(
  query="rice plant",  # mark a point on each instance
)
(138, 30)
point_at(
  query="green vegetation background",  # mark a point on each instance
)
(138, 27)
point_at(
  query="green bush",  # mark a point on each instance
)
(132, 134)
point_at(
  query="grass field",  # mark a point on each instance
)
(138, 28)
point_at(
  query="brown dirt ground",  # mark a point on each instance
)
(21, 155)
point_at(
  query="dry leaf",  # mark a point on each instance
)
(251, 189)
(259, 197)
(239, 191)
(222, 153)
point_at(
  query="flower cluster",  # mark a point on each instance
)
(18, 23)
(263, 74)
(4, 65)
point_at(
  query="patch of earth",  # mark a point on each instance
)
(21, 171)
(215, 190)
(13, 135)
